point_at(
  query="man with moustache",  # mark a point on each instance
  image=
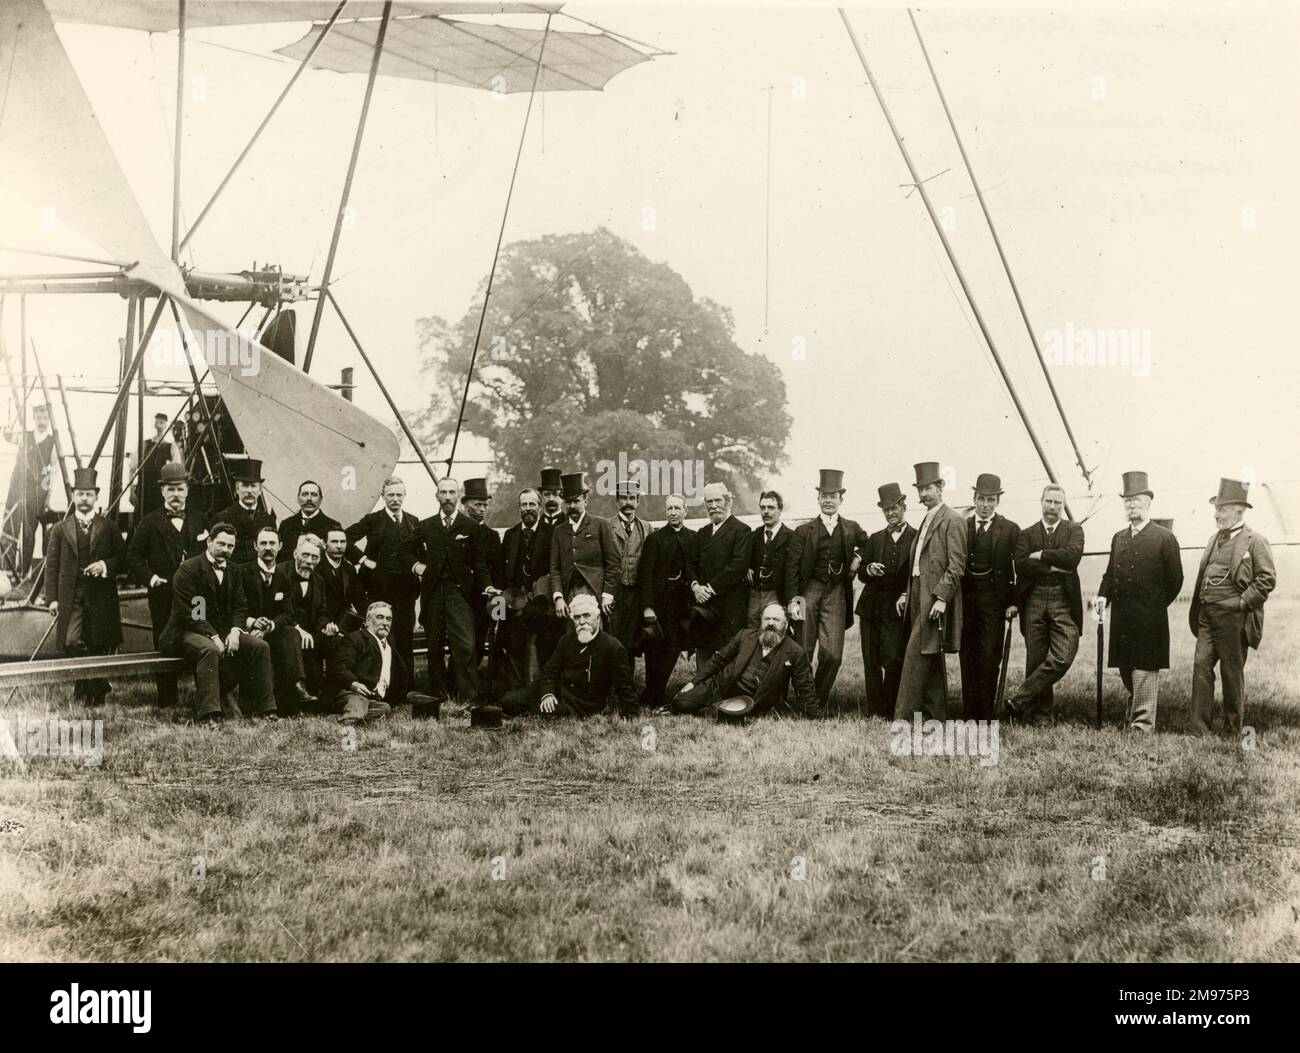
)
(825, 554)
(366, 674)
(247, 515)
(449, 562)
(382, 544)
(884, 575)
(550, 626)
(345, 599)
(664, 598)
(308, 604)
(584, 557)
(35, 467)
(269, 614)
(718, 590)
(1233, 581)
(757, 663)
(205, 629)
(1143, 577)
(1051, 604)
(474, 503)
(588, 671)
(527, 558)
(768, 548)
(86, 553)
(988, 590)
(309, 519)
(630, 532)
(163, 540)
(932, 603)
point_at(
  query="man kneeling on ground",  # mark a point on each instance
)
(759, 663)
(587, 670)
(366, 672)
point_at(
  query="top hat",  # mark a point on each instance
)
(173, 472)
(627, 489)
(475, 490)
(701, 618)
(1231, 492)
(550, 479)
(84, 479)
(247, 471)
(647, 633)
(831, 482)
(573, 485)
(1135, 483)
(890, 494)
(736, 708)
(987, 483)
(927, 472)
(485, 717)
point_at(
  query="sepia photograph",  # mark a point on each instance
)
(650, 483)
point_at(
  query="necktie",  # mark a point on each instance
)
(980, 527)
(767, 534)
(1225, 536)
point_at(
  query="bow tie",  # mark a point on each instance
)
(1225, 535)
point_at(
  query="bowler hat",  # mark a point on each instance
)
(927, 472)
(627, 489)
(832, 481)
(247, 471)
(173, 472)
(550, 479)
(988, 483)
(890, 494)
(736, 708)
(573, 485)
(1231, 492)
(475, 490)
(647, 634)
(485, 717)
(1135, 484)
(84, 479)
(701, 617)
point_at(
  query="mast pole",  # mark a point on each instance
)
(180, 129)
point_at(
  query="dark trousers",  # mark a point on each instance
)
(449, 623)
(518, 650)
(699, 699)
(529, 700)
(287, 666)
(982, 626)
(883, 666)
(1051, 642)
(660, 661)
(216, 675)
(625, 617)
(91, 691)
(399, 591)
(823, 631)
(160, 609)
(1221, 641)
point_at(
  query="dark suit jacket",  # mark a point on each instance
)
(1253, 576)
(392, 548)
(461, 550)
(591, 555)
(345, 599)
(878, 601)
(157, 548)
(529, 570)
(803, 554)
(357, 659)
(769, 562)
(588, 679)
(1003, 534)
(1143, 577)
(721, 559)
(202, 605)
(666, 571)
(246, 525)
(293, 528)
(494, 557)
(272, 601)
(102, 625)
(309, 612)
(1066, 555)
(789, 665)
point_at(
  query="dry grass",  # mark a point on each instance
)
(613, 851)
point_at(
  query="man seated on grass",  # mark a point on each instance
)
(588, 669)
(759, 663)
(366, 672)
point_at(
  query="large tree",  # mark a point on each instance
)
(590, 351)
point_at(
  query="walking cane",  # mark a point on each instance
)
(943, 661)
(1101, 658)
(1002, 672)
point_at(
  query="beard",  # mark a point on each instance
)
(769, 637)
(575, 514)
(585, 633)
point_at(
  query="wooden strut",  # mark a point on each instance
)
(180, 131)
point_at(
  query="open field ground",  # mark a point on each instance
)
(785, 840)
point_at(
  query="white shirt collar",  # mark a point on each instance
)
(1135, 530)
(383, 644)
(829, 522)
(86, 518)
(1049, 529)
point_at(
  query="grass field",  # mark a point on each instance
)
(781, 840)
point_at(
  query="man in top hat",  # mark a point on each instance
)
(309, 519)
(248, 514)
(588, 671)
(1051, 603)
(769, 548)
(1227, 611)
(526, 554)
(474, 503)
(988, 598)
(35, 468)
(86, 553)
(382, 545)
(884, 575)
(550, 627)
(584, 557)
(451, 564)
(163, 540)
(269, 614)
(206, 628)
(719, 591)
(825, 554)
(664, 598)
(932, 603)
(760, 664)
(1143, 577)
(630, 532)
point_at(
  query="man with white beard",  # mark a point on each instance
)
(588, 670)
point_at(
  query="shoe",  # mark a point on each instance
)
(270, 718)
(211, 720)
(1014, 712)
(304, 697)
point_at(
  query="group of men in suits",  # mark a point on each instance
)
(307, 615)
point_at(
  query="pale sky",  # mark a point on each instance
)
(1140, 166)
